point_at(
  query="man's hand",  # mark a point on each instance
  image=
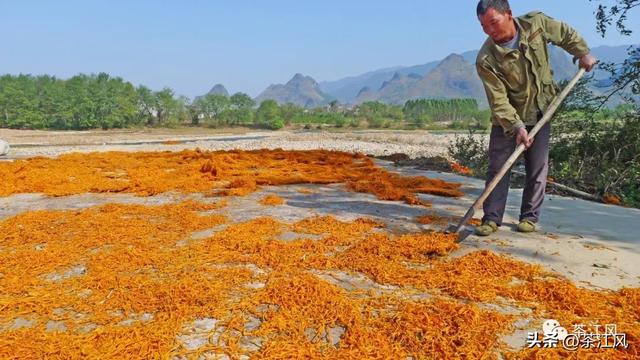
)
(587, 62)
(522, 137)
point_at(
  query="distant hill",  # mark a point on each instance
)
(393, 91)
(346, 89)
(218, 89)
(398, 84)
(453, 77)
(300, 90)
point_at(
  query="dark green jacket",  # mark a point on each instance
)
(519, 82)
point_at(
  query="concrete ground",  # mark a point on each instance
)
(593, 244)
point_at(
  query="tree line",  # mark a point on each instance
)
(97, 101)
(104, 101)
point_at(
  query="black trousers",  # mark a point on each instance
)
(536, 160)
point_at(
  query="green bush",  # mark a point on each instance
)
(276, 124)
(423, 120)
(376, 122)
(470, 150)
(599, 157)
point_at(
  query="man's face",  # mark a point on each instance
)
(498, 26)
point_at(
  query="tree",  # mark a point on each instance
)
(605, 16)
(80, 102)
(146, 104)
(627, 74)
(242, 101)
(166, 107)
(211, 106)
(422, 111)
(597, 150)
(195, 112)
(290, 111)
(372, 108)
(183, 114)
(268, 114)
(333, 106)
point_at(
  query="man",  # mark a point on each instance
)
(513, 65)
(4, 147)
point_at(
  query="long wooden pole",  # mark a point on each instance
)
(519, 150)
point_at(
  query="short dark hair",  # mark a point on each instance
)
(501, 6)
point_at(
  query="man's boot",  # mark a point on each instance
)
(526, 226)
(487, 228)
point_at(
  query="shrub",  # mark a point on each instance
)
(376, 122)
(276, 124)
(599, 157)
(355, 122)
(471, 151)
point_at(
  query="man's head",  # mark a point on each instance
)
(496, 19)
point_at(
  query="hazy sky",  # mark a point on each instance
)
(248, 45)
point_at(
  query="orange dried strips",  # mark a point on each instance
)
(272, 200)
(228, 172)
(429, 219)
(612, 199)
(139, 267)
(460, 169)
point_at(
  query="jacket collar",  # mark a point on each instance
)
(524, 28)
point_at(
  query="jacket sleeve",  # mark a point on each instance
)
(564, 36)
(496, 91)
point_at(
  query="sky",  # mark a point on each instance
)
(191, 45)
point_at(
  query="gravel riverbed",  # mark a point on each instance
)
(415, 144)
